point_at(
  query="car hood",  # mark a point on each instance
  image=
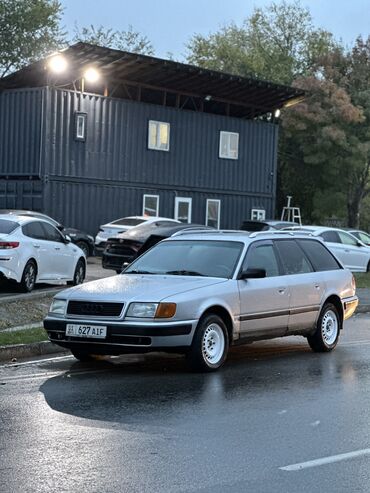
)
(137, 287)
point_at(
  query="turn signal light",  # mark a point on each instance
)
(6, 245)
(165, 310)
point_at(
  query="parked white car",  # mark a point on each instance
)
(124, 224)
(352, 252)
(32, 251)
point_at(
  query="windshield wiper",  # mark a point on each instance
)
(137, 271)
(184, 273)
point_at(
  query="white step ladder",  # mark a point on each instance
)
(290, 213)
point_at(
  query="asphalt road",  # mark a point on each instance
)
(145, 424)
(94, 271)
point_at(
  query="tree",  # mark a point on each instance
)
(278, 43)
(129, 40)
(29, 30)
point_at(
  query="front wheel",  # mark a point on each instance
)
(210, 344)
(326, 336)
(79, 275)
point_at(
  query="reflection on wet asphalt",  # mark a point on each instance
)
(146, 424)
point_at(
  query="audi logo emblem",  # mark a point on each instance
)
(90, 308)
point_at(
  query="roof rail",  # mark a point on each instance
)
(207, 231)
(279, 232)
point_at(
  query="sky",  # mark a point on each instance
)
(169, 24)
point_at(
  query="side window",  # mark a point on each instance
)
(150, 205)
(364, 238)
(51, 233)
(34, 230)
(262, 257)
(158, 135)
(319, 256)
(293, 257)
(330, 236)
(347, 239)
(229, 145)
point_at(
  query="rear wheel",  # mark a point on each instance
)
(79, 275)
(210, 344)
(28, 280)
(325, 338)
(82, 356)
(84, 247)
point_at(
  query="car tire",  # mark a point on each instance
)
(368, 267)
(79, 275)
(29, 276)
(84, 247)
(210, 344)
(82, 356)
(328, 326)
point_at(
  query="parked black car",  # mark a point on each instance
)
(125, 247)
(81, 239)
(268, 224)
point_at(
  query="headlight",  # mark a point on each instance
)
(151, 310)
(58, 306)
(72, 235)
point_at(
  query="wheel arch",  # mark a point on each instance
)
(224, 314)
(336, 301)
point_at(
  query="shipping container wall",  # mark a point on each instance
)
(21, 124)
(86, 206)
(21, 194)
(116, 146)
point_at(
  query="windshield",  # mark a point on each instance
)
(189, 258)
(7, 227)
(126, 221)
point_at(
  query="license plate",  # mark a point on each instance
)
(91, 331)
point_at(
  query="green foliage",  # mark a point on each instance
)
(29, 30)
(277, 43)
(26, 336)
(129, 40)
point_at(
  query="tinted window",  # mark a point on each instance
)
(127, 222)
(34, 230)
(331, 236)
(319, 256)
(188, 257)
(262, 257)
(347, 239)
(51, 233)
(7, 227)
(293, 257)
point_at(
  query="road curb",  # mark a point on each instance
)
(362, 308)
(7, 353)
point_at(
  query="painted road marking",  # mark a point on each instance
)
(34, 362)
(326, 460)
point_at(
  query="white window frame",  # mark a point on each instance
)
(157, 146)
(258, 214)
(228, 155)
(145, 196)
(80, 116)
(187, 200)
(218, 211)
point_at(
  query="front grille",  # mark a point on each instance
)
(92, 308)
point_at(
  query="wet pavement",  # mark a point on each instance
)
(146, 424)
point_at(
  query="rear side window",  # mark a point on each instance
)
(293, 257)
(319, 256)
(34, 230)
(330, 236)
(7, 227)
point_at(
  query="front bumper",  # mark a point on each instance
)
(349, 306)
(123, 337)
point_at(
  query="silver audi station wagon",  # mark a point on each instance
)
(200, 292)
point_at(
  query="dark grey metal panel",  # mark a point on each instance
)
(116, 146)
(20, 131)
(87, 205)
(21, 194)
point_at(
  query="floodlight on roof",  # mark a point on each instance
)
(57, 64)
(91, 75)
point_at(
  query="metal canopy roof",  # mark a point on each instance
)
(164, 75)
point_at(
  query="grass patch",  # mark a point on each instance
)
(362, 279)
(22, 337)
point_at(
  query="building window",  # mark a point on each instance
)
(159, 136)
(80, 126)
(150, 205)
(213, 213)
(229, 145)
(183, 209)
(258, 214)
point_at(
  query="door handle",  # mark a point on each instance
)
(317, 286)
(281, 290)
(36, 246)
(347, 251)
(56, 248)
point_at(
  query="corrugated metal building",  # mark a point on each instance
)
(150, 136)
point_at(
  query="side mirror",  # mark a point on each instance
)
(252, 274)
(67, 239)
(60, 227)
(359, 244)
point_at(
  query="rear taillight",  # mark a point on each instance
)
(7, 245)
